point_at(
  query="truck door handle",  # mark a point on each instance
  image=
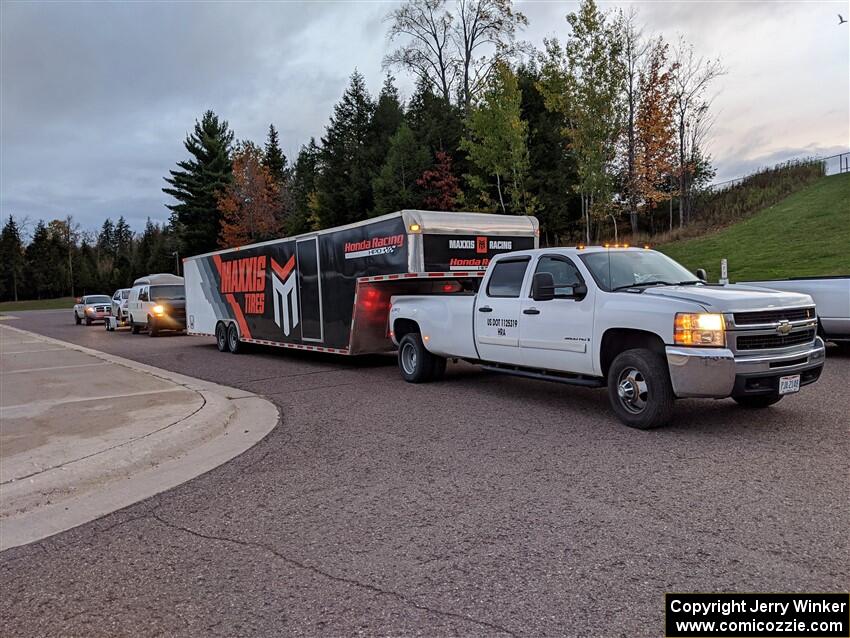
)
(485, 309)
(531, 311)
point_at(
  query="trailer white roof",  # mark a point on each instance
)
(435, 222)
(466, 223)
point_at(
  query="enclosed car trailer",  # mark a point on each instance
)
(330, 290)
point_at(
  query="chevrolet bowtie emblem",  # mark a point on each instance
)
(784, 327)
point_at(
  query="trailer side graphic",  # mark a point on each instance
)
(301, 291)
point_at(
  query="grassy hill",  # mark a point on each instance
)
(805, 234)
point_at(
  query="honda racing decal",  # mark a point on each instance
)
(373, 246)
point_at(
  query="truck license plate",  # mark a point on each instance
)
(787, 385)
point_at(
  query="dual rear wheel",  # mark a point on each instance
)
(416, 364)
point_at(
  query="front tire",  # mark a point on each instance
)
(757, 401)
(415, 363)
(77, 319)
(639, 389)
(153, 330)
(233, 343)
(88, 321)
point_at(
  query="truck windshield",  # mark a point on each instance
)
(173, 293)
(97, 299)
(614, 270)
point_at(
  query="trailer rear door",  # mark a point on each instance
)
(310, 289)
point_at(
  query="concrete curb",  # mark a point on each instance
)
(229, 422)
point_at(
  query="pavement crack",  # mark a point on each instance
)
(340, 579)
(112, 447)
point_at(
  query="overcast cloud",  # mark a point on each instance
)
(97, 98)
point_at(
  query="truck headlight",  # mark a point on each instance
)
(89, 309)
(158, 310)
(699, 329)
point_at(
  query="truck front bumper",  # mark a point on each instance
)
(718, 372)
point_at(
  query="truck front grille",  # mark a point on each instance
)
(764, 342)
(773, 316)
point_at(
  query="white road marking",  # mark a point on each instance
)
(34, 351)
(50, 404)
(78, 365)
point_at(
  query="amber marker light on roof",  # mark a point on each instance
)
(415, 228)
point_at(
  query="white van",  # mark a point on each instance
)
(156, 303)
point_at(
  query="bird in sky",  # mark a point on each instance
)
(841, 20)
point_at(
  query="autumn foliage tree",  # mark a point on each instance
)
(441, 186)
(249, 206)
(655, 127)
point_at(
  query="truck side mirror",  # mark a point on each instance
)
(701, 274)
(579, 291)
(543, 287)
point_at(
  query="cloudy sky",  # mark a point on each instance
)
(96, 98)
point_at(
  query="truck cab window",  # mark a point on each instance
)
(506, 280)
(143, 294)
(564, 273)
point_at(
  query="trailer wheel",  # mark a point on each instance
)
(221, 336)
(639, 389)
(233, 343)
(415, 363)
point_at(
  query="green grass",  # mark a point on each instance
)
(38, 304)
(806, 234)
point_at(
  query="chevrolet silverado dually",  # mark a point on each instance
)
(629, 319)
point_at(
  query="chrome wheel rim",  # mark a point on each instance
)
(408, 358)
(222, 339)
(233, 340)
(632, 390)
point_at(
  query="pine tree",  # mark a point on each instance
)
(87, 270)
(273, 158)
(395, 187)
(388, 116)
(344, 188)
(106, 239)
(123, 250)
(436, 123)
(41, 263)
(199, 182)
(304, 180)
(552, 170)
(12, 258)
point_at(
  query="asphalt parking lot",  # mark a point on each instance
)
(482, 505)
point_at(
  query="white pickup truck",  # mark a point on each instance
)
(630, 319)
